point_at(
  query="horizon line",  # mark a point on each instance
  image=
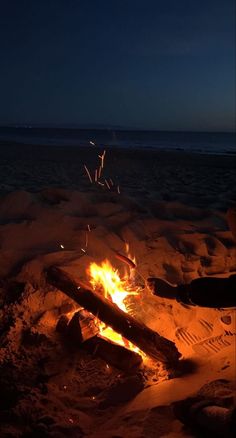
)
(108, 128)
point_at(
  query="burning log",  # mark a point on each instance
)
(62, 324)
(140, 335)
(112, 353)
(82, 330)
(81, 327)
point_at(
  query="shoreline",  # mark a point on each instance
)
(119, 148)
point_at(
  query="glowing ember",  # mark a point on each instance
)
(107, 184)
(88, 173)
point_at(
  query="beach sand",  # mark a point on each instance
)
(170, 208)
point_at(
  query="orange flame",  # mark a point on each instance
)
(113, 286)
(106, 278)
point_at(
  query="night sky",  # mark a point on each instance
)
(146, 64)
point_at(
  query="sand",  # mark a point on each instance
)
(170, 207)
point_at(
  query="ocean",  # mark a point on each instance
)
(198, 142)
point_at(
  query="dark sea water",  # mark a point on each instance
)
(211, 143)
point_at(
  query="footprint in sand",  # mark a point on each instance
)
(203, 341)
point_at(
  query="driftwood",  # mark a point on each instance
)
(147, 340)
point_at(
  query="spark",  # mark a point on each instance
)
(86, 239)
(102, 157)
(92, 143)
(107, 183)
(88, 173)
(118, 189)
(107, 366)
(99, 171)
(89, 229)
(62, 246)
(82, 249)
(101, 184)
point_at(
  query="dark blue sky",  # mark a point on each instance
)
(148, 64)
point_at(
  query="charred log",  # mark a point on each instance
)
(81, 327)
(114, 354)
(82, 330)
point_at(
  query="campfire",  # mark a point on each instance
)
(103, 324)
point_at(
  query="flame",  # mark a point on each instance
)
(114, 288)
(107, 280)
